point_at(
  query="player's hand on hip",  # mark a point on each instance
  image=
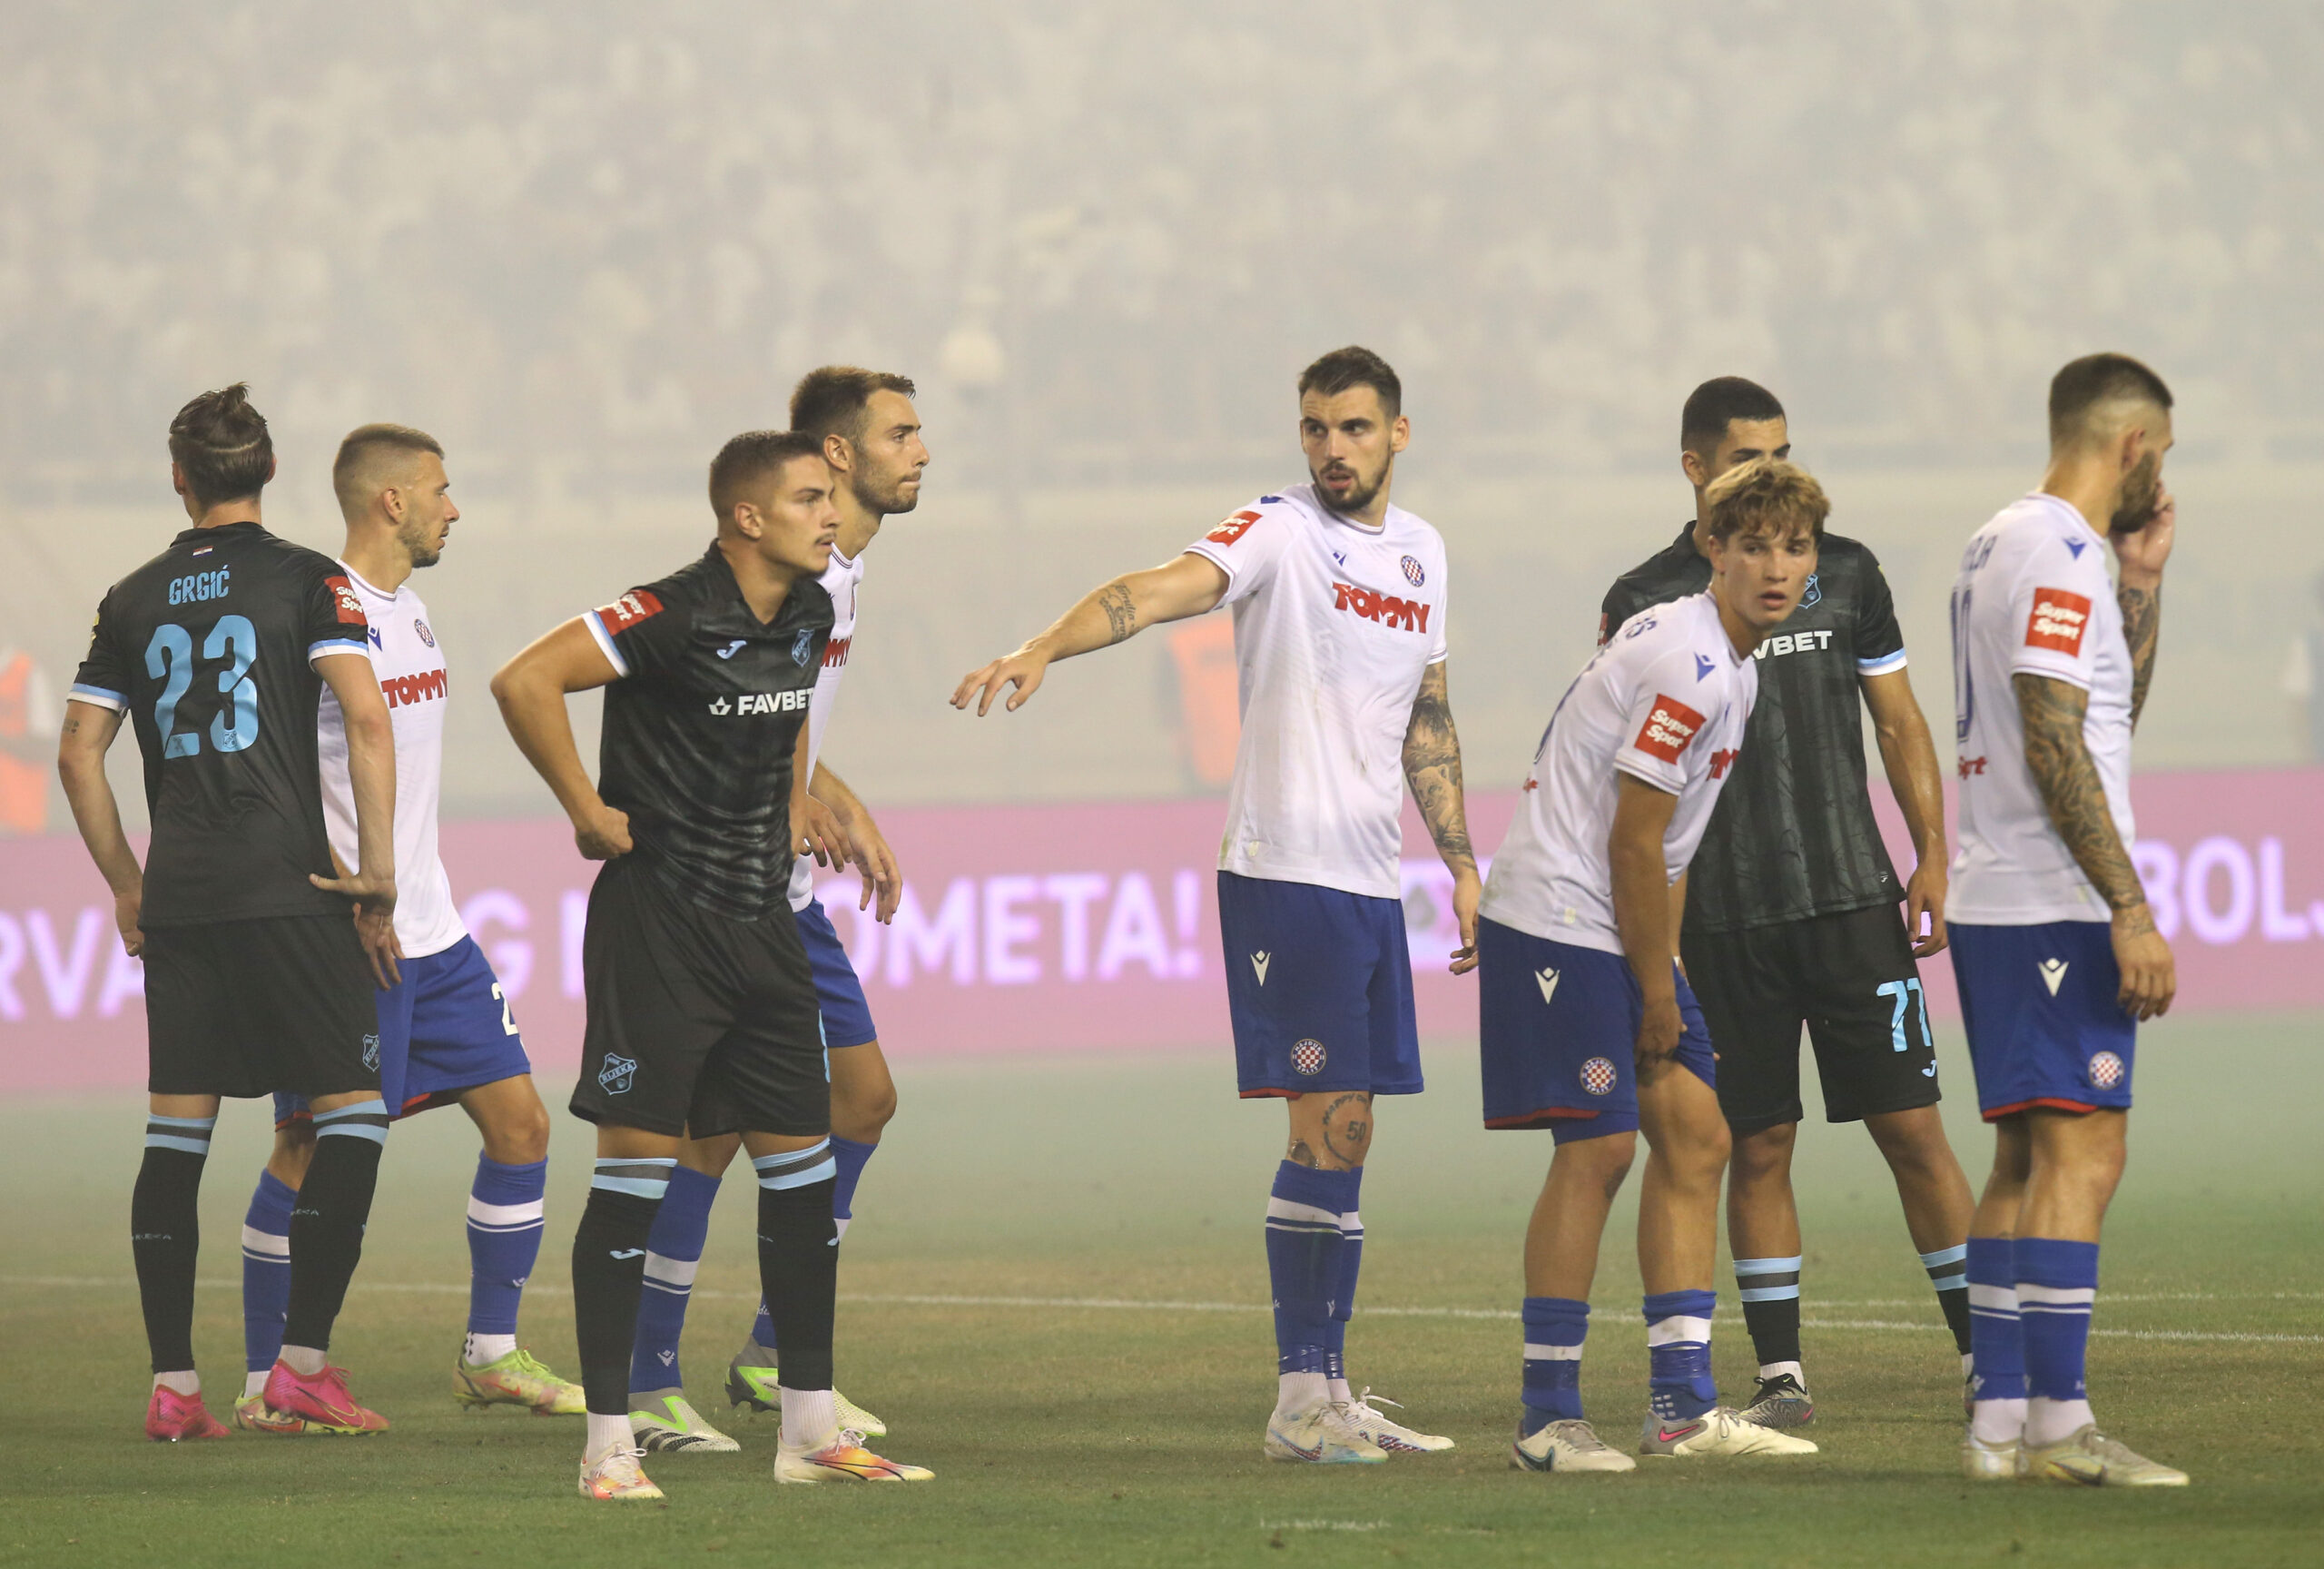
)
(2150, 975)
(1467, 889)
(381, 946)
(1658, 1037)
(2141, 555)
(1022, 670)
(816, 831)
(1924, 910)
(127, 911)
(601, 832)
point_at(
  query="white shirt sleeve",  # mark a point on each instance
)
(1439, 649)
(1663, 726)
(2052, 608)
(1247, 546)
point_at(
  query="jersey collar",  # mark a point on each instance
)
(796, 605)
(365, 584)
(2060, 504)
(248, 527)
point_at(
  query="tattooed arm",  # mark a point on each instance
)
(2059, 758)
(1432, 769)
(2141, 557)
(1187, 586)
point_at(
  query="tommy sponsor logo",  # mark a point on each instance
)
(630, 610)
(1546, 980)
(618, 1074)
(1410, 614)
(835, 652)
(1794, 643)
(2058, 621)
(2053, 973)
(401, 691)
(1259, 962)
(1232, 528)
(1970, 767)
(203, 585)
(762, 702)
(1722, 760)
(1414, 574)
(1307, 1057)
(2106, 1071)
(345, 601)
(1669, 729)
(1598, 1076)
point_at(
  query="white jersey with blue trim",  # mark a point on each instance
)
(1335, 623)
(844, 581)
(410, 669)
(1666, 702)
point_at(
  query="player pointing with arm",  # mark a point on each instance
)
(1589, 1028)
(1340, 606)
(2054, 943)
(218, 651)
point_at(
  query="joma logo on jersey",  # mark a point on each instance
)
(1794, 643)
(1669, 729)
(835, 652)
(630, 610)
(762, 702)
(1230, 529)
(400, 690)
(1387, 609)
(200, 586)
(1721, 761)
(2058, 621)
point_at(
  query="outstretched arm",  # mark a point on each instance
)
(1432, 769)
(531, 690)
(1186, 585)
(81, 748)
(2059, 758)
(1909, 755)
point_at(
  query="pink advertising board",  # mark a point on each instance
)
(1093, 928)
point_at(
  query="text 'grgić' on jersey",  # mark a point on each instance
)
(1793, 834)
(208, 648)
(700, 728)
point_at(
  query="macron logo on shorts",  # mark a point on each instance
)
(2058, 621)
(1669, 729)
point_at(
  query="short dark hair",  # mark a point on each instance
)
(1718, 403)
(1353, 366)
(749, 458)
(219, 443)
(833, 399)
(1766, 495)
(358, 444)
(2095, 379)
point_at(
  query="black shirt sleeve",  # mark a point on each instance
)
(1879, 640)
(103, 677)
(333, 618)
(644, 631)
(1622, 601)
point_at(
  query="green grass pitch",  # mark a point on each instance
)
(1018, 1243)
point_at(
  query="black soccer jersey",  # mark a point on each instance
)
(699, 732)
(1793, 835)
(209, 648)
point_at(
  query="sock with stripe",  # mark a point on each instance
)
(165, 1234)
(851, 1155)
(1677, 1348)
(1998, 1407)
(1303, 1267)
(1770, 1291)
(608, 1270)
(799, 1279)
(1343, 1302)
(505, 1220)
(326, 1226)
(1948, 1273)
(2057, 1282)
(1555, 1327)
(266, 1277)
(672, 1256)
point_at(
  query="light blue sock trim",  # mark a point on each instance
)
(644, 1178)
(188, 1135)
(823, 1171)
(1948, 1267)
(363, 1119)
(796, 1167)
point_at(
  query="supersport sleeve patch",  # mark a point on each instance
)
(1232, 528)
(1245, 552)
(1670, 726)
(2058, 621)
(642, 631)
(345, 603)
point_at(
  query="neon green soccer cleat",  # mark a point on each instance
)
(665, 1423)
(515, 1379)
(758, 1389)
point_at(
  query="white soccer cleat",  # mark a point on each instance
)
(665, 1423)
(1325, 1435)
(1389, 1434)
(617, 1477)
(1983, 1462)
(1569, 1445)
(1721, 1430)
(2091, 1459)
(843, 1459)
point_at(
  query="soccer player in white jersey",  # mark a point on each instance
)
(2054, 943)
(1589, 1027)
(446, 1034)
(1340, 606)
(871, 437)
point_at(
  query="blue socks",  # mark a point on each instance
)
(1997, 1412)
(1677, 1348)
(1344, 1296)
(505, 1220)
(1555, 1327)
(1305, 1264)
(2056, 1284)
(266, 1272)
(673, 1254)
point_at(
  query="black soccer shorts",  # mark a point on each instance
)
(696, 1021)
(1850, 979)
(246, 1008)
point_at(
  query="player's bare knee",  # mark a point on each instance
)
(863, 1115)
(1764, 1154)
(1331, 1130)
(518, 1136)
(1599, 1162)
(710, 1156)
(294, 1148)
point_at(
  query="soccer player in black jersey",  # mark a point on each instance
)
(217, 651)
(701, 1006)
(1791, 911)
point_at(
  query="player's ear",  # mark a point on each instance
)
(1691, 465)
(836, 453)
(1400, 434)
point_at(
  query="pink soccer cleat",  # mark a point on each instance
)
(323, 1401)
(171, 1417)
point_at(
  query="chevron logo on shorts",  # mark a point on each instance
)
(2053, 973)
(1546, 980)
(1259, 966)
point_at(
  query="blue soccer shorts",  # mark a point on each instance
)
(1319, 984)
(839, 992)
(1557, 1035)
(444, 1027)
(2045, 1027)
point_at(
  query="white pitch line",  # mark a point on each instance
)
(1148, 1305)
